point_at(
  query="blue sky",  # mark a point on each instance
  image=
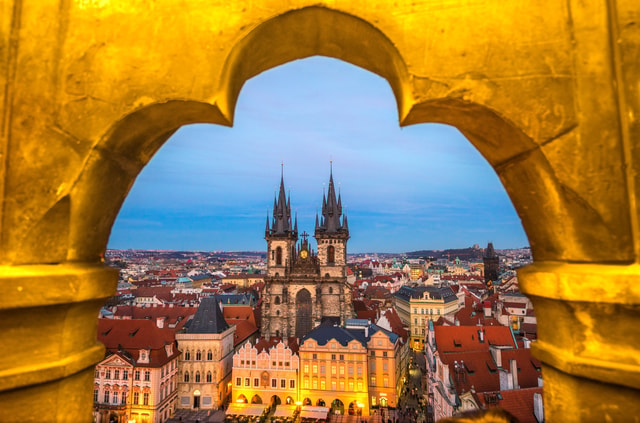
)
(418, 187)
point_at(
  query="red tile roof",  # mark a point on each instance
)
(467, 338)
(518, 402)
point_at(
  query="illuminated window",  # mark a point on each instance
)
(315, 368)
(359, 386)
(373, 381)
(342, 385)
(315, 384)
(333, 385)
(386, 382)
(351, 386)
(306, 368)
(322, 384)
(306, 384)
(334, 370)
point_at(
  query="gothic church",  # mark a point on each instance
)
(302, 288)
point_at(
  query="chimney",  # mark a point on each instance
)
(527, 342)
(538, 407)
(481, 335)
(487, 309)
(366, 331)
(514, 373)
(497, 355)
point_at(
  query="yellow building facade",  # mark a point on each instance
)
(334, 372)
(547, 91)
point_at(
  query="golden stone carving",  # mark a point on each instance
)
(547, 91)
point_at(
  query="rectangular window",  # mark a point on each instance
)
(306, 384)
(256, 382)
(342, 370)
(333, 385)
(115, 397)
(283, 383)
(273, 364)
(359, 370)
(322, 369)
(125, 374)
(315, 384)
(108, 374)
(342, 385)
(334, 370)
(315, 368)
(274, 383)
(373, 353)
(292, 384)
(241, 361)
(384, 353)
(315, 356)
(123, 399)
(373, 381)
(350, 370)
(147, 375)
(145, 398)
(385, 366)
(341, 357)
(238, 381)
(136, 397)
(247, 381)
(116, 374)
(322, 384)
(136, 375)
(350, 386)
(95, 395)
(359, 386)
(306, 368)
(386, 382)
(97, 374)
(105, 399)
(333, 357)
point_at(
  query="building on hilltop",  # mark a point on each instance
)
(491, 265)
(302, 288)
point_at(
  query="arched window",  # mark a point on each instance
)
(331, 254)
(198, 356)
(186, 377)
(197, 377)
(208, 377)
(279, 256)
(187, 355)
(277, 300)
(209, 355)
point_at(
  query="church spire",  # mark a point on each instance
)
(281, 210)
(330, 223)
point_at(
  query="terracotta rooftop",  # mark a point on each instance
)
(450, 339)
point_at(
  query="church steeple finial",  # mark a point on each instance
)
(282, 222)
(330, 222)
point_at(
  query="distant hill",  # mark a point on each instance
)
(462, 253)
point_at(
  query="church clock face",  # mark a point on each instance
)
(304, 254)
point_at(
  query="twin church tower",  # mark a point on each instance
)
(304, 289)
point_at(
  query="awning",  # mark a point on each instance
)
(246, 409)
(284, 410)
(309, 412)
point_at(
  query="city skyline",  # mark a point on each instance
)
(403, 189)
